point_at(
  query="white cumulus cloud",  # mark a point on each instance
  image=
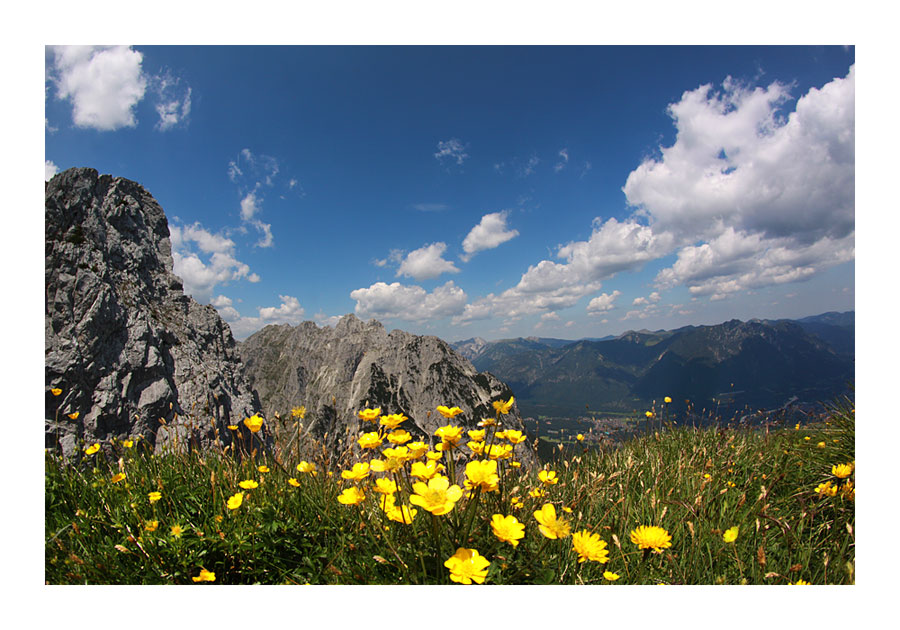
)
(201, 276)
(602, 303)
(50, 169)
(408, 302)
(451, 149)
(426, 263)
(490, 232)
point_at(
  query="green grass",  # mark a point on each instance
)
(96, 531)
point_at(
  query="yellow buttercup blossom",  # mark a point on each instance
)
(507, 529)
(294, 482)
(370, 415)
(609, 575)
(177, 531)
(476, 435)
(235, 501)
(154, 496)
(488, 422)
(590, 547)
(438, 496)
(551, 526)
(848, 491)
(667, 400)
(417, 449)
(504, 407)
(449, 434)
(399, 437)
(389, 463)
(359, 472)
(515, 437)
(127, 443)
(467, 566)
(298, 412)
(580, 437)
(434, 455)
(370, 440)
(537, 493)
(821, 445)
(93, 448)
(826, 489)
(800, 583)
(500, 451)
(730, 534)
(482, 474)
(151, 526)
(307, 467)
(425, 470)
(351, 496)
(117, 478)
(263, 469)
(649, 414)
(449, 412)
(232, 427)
(56, 391)
(651, 537)
(248, 484)
(385, 486)
(253, 423)
(477, 448)
(392, 421)
(398, 513)
(73, 415)
(842, 471)
(548, 477)
(205, 576)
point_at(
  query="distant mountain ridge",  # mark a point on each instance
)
(759, 363)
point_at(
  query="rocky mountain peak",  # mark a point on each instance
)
(123, 342)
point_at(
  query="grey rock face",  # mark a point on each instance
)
(336, 372)
(122, 341)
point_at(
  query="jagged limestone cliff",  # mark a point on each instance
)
(336, 372)
(122, 341)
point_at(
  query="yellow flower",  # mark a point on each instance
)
(548, 477)
(370, 415)
(399, 437)
(248, 484)
(359, 472)
(730, 534)
(56, 391)
(233, 427)
(507, 529)
(254, 423)
(298, 412)
(515, 464)
(385, 486)
(392, 421)
(398, 513)
(127, 443)
(821, 444)
(667, 400)
(263, 469)
(449, 412)
(438, 496)
(151, 526)
(649, 414)
(370, 440)
(800, 583)
(351, 496)
(93, 448)
(609, 575)
(550, 526)
(504, 407)
(449, 434)
(417, 449)
(177, 531)
(234, 502)
(294, 482)
(476, 435)
(467, 566)
(154, 496)
(73, 415)
(848, 491)
(476, 447)
(537, 493)
(205, 576)
(434, 455)
(500, 451)
(842, 471)
(651, 537)
(515, 437)
(482, 474)
(806, 438)
(826, 489)
(425, 471)
(488, 422)
(117, 478)
(797, 427)
(590, 547)
(580, 437)
(307, 467)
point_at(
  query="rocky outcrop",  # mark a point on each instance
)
(336, 372)
(122, 341)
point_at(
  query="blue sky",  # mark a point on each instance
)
(498, 191)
